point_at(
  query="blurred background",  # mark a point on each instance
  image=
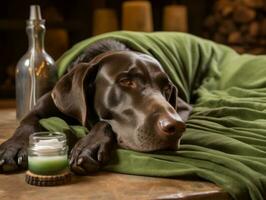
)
(240, 24)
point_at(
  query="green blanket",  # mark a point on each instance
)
(225, 141)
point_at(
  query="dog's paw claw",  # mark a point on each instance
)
(2, 162)
(19, 160)
(80, 160)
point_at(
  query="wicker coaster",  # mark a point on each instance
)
(48, 180)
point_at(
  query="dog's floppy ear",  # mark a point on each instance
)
(182, 108)
(71, 91)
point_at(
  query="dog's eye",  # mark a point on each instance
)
(126, 82)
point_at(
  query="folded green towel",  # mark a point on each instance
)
(225, 141)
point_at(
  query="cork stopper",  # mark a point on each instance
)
(48, 180)
(35, 12)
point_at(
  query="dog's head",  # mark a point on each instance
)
(131, 92)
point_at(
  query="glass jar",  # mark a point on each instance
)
(47, 153)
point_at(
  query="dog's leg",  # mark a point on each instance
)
(94, 150)
(13, 152)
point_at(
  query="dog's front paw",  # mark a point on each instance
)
(13, 155)
(88, 156)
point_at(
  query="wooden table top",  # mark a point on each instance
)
(103, 185)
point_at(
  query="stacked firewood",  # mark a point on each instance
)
(240, 24)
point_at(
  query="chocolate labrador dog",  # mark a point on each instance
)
(135, 104)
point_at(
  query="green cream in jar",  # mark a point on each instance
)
(47, 153)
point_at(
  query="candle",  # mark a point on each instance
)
(175, 18)
(47, 153)
(104, 20)
(137, 16)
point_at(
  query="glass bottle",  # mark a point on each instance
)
(36, 71)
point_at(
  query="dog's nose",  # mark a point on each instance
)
(170, 126)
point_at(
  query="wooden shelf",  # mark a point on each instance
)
(7, 103)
